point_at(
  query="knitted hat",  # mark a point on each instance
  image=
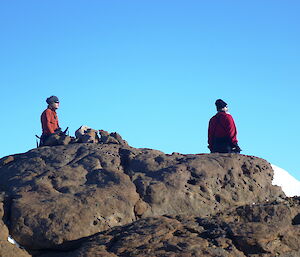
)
(220, 104)
(52, 99)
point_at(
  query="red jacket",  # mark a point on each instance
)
(49, 121)
(222, 125)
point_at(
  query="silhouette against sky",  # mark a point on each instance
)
(152, 70)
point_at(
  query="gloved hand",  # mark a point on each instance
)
(236, 148)
(58, 130)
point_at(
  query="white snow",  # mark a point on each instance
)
(12, 241)
(290, 186)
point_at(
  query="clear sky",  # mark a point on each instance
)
(152, 70)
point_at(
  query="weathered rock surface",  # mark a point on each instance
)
(86, 135)
(7, 249)
(197, 184)
(61, 194)
(67, 192)
(271, 229)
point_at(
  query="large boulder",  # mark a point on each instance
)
(197, 184)
(267, 230)
(61, 194)
(8, 249)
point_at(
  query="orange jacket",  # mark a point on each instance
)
(49, 121)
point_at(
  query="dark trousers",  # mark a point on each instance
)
(222, 145)
(43, 139)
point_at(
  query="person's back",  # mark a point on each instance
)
(222, 132)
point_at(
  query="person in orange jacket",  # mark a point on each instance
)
(49, 119)
(222, 132)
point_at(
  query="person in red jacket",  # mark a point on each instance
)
(49, 118)
(222, 132)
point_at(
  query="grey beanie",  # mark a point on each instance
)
(52, 99)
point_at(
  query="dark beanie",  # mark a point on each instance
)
(52, 99)
(220, 104)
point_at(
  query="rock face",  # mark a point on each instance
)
(65, 193)
(86, 135)
(268, 230)
(7, 249)
(59, 195)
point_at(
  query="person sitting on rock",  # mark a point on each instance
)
(49, 120)
(222, 132)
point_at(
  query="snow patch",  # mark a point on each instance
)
(290, 186)
(12, 241)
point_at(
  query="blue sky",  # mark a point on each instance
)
(152, 70)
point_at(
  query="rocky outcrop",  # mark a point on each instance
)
(270, 229)
(86, 135)
(6, 248)
(59, 195)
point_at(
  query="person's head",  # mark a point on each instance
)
(53, 102)
(221, 106)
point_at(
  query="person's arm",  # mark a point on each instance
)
(210, 134)
(47, 121)
(231, 129)
(58, 127)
